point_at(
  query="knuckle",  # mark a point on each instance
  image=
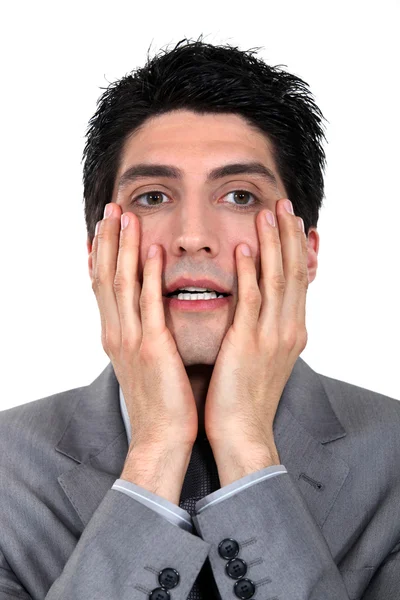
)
(104, 343)
(273, 341)
(101, 236)
(275, 241)
(290, 337)
(120, 283)
(100, 275)
(123, 242)
(303, 338)
(128, 345)
(146, 301)
(109, 342)
(300, 273)
(278, 283)
(148, 356)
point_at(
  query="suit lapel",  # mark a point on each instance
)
(305, 423)
(304, 426)
(95, 439)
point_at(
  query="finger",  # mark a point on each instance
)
(249, 299)
(294, 265)
(301, 306)
(127, 287)
(95, 248)
(151, 302)
(105, 258)
(272, 279)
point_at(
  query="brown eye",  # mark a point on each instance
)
(152, 197)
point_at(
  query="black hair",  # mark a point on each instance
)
(205, 79)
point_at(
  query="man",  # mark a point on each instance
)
(207, 460)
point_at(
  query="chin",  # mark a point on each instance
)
(199, 352)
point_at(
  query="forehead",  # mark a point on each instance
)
(189, 125)
(197, 143)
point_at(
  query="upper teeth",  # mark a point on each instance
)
(193, 289)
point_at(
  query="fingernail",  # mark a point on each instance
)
(108, 210)
(152, 251)
(124, 221)
(97, 227)
(289, 206)
(245, 250)
(269, 215)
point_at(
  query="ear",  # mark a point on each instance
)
(90, 262)
(312, 253)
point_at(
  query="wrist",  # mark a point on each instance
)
(158, 469)
(233, 463)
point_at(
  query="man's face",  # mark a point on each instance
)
(198, 223)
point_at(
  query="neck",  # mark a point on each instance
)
(199, 377)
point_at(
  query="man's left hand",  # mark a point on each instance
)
(260, 348)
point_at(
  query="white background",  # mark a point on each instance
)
(55, 59)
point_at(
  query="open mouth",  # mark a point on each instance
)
(190, 295)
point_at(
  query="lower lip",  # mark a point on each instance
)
(196, 305)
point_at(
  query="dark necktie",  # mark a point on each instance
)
(201, 479)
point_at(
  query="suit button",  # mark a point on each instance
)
(236, 568)
(159, 594)
(244, 588)
(228, 548)
(168, 578)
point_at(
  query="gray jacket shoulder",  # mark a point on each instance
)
(372, 424)
(349, 400)
(48, 416)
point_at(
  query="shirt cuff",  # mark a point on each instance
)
(238, 485)
(175, 514)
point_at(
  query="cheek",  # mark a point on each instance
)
(244, 235)
(147, 238)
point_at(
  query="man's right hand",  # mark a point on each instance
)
(157, 391)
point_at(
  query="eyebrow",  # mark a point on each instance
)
(156, 170)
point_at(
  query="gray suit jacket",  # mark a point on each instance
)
(327, 529)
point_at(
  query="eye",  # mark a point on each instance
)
(241, 196)
(152, 195)
(238, 195)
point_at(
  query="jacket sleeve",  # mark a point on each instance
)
(175, 514)
(125, 552)
(265, 541)
(385, 583)
(170, 511)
